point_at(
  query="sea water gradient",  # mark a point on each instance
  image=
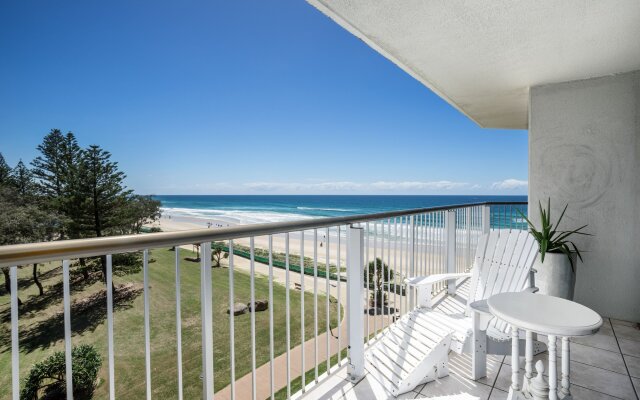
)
(243, 209)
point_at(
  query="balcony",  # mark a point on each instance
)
(175, 314)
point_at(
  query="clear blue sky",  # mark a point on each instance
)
(220, 97)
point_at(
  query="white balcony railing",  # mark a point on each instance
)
(337, 254)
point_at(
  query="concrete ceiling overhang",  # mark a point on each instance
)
(483, 56)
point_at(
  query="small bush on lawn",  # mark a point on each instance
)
(46, 380)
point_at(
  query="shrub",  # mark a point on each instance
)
(46, 380)
(127, 263)
(379, 275)
(218, 253)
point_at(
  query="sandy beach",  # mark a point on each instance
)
(428, 259)
(169, 223)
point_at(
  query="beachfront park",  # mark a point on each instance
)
(42, 326)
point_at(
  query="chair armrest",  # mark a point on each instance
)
(531, 290)
(481, 307)
(481, 314)
(423, 285)
(431, 279)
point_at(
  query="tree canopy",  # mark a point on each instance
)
(69, 193)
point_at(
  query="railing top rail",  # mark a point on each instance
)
(21, 254)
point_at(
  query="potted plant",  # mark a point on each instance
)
(556, 266)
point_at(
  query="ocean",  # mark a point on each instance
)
(244, 209)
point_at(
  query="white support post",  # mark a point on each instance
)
(355, 314)
(450, 229)
(486, 219)
(206, 310)
(412, 258)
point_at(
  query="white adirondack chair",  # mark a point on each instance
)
(414, 349)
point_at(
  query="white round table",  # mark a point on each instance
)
(547, 315)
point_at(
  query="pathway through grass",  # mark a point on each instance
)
(41, 325)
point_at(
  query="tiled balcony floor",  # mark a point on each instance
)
(603, 366)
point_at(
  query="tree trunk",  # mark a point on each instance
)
(36, 280)
(84, 269)
(7, 279)
(7, 283)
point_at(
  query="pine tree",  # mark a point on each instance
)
(48, 167)
(55, 170)
(5, 171)
(22, 179)
(104, 191)
(105, 194)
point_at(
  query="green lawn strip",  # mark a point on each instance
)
(279, 261)
(309, 376)
(42, 330)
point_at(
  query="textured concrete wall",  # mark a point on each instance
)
(584, 149)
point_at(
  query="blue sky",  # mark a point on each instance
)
(237, 97)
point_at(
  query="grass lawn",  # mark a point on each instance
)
(42, 328)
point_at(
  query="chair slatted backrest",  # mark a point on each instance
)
(502, 263)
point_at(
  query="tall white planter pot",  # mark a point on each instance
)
(555, 277)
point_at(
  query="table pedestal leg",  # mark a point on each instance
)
(565, 392)
(514, 390)
(528, 367)
(553, 371)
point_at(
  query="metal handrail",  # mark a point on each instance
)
(29, 253)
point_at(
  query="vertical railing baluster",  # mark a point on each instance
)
(411, 265)
(443, 248)
(302, 367)
(382, 277)
(511, 220)
(339, 324)
(466, 233)
(232, 326)
(405, 247)
(436, 246)
(395, 266)
(252, 274)
(15, 338)
(375, 279)
(287, 312)
(450, 227)
(402, 274)
(430, 243)
(147, 323)
(423, 255)
(315, 303)
(178, 322)
(367, 272)
(326, 279)
(110, 349)
(67, 328)
(419, 244)
(271, 305)
(388, 270)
